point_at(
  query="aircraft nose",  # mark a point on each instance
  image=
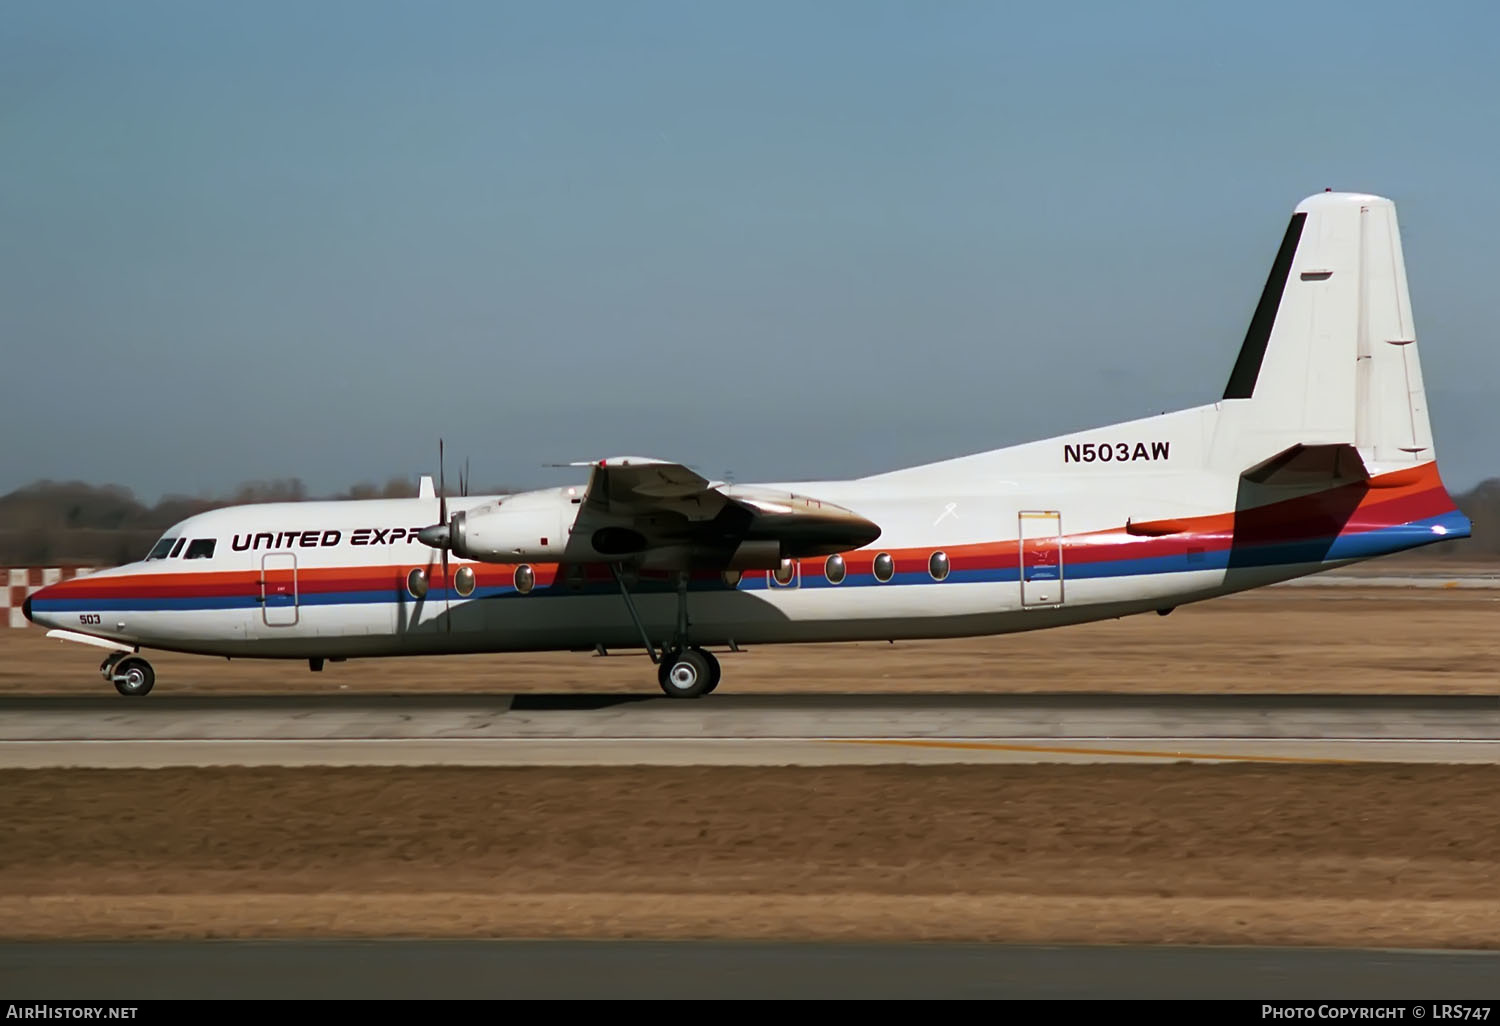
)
(26, 609)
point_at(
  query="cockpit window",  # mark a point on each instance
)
(177, 548)
(202, 548)
(163, 548)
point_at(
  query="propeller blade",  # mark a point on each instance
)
(443, 519)
(442, 490)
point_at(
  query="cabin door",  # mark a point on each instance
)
(1041, 558)
(278, 588)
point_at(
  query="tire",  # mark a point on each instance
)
(134, 677)
(685, 674)
(715, 671)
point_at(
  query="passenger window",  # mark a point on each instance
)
(162, 548)
(416, 583)
(834, 569)
(202, 548)
(525, 579)
(464, 581)
(937, 566)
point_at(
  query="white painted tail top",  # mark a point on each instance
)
(1331, 353)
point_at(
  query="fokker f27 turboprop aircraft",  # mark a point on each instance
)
(1318, 454)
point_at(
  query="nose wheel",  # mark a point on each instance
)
(688, 673)
(130, 675)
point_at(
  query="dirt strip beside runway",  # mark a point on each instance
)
(1363, 855)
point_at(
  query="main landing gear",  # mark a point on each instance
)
(688, 673)
(683, 670)
(131, 675)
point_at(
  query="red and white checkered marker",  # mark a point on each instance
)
(22, 581)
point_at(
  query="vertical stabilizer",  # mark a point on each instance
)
(1330, 357)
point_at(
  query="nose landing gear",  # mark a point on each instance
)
(131, 675)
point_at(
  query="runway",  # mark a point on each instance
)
(755, 730)
(446, 970)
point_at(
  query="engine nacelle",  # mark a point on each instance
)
(531, 527)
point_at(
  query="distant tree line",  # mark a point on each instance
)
(51, 523)
(71, 523)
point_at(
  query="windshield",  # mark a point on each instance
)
(201, 548)
(163, 548)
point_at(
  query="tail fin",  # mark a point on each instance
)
(1330, 358)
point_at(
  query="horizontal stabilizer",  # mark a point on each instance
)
(1310, 465)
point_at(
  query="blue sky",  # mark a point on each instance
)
(782, 240)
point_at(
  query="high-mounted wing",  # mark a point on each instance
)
(626, 484)
(671, 516)
(653, 514)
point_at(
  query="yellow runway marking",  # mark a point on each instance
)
(1056, 750)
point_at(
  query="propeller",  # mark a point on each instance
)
(440, 535)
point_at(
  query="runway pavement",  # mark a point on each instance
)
(579, 730)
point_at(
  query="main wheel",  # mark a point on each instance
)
(685, 674)
(715, 671)
(133, 676)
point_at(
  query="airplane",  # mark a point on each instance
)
(1318, 454)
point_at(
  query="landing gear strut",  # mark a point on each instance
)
(683, 669)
